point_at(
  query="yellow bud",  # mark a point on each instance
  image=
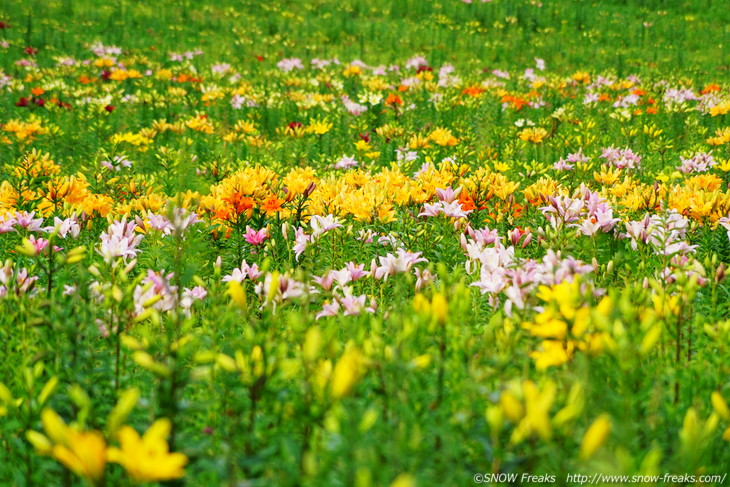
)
(421, 304)
(346, 373)
(494, 418)
(54, 426)
(368, 420)
(48, 390)
(225, 362)
(650, 339)
(273, 286)
(720, 406)
(331, 423)
(5, 395)
(131, 342)
(404, 480)
(257, 354)
(289, 368)
(205, 357)
(650, 465)
(117, 294)
(711, 424)
(26, 248)
(145, 360)
(124, 406)
(363, 477)
(309, 463)
(312, 343)
(422, 361)
(439, 307)
(511, 407)
(690, 429)
(575, 405)
(595, 437)
(238, 295)
(72, 259)
(147, 313)
(42, 444)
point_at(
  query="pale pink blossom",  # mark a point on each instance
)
(6, 223)
(189, 296)
(246, 271)
(325, 281)
(423, 278)
(256, 237)
(64, 228)
(290, 64)
(329, 309)
(345, 162)
(431, 210)
(301, 240)
(354, 305)
(391, 264)
(26, 220)
(323, 224)
(455, 210)
(119, 240)
(356, 271)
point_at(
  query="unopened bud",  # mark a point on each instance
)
(140, 223)
(310, 189)
(720, 273)
(528, 239)
(130, 267)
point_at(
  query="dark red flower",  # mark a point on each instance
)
(259, 57)
(4, 25)
(423, 67)
(31, 50)
(365, 136)
(109, 108)
(23, 102)
(39, 101)
(294, 125)
(105, 74)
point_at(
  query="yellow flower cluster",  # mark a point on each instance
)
(24, 130)
(565, 324)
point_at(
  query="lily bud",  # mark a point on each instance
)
(310, 189)
(720, 273)
(528, 239)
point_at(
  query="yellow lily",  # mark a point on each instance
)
(147, 458)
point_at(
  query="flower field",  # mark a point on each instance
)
(393, 243)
